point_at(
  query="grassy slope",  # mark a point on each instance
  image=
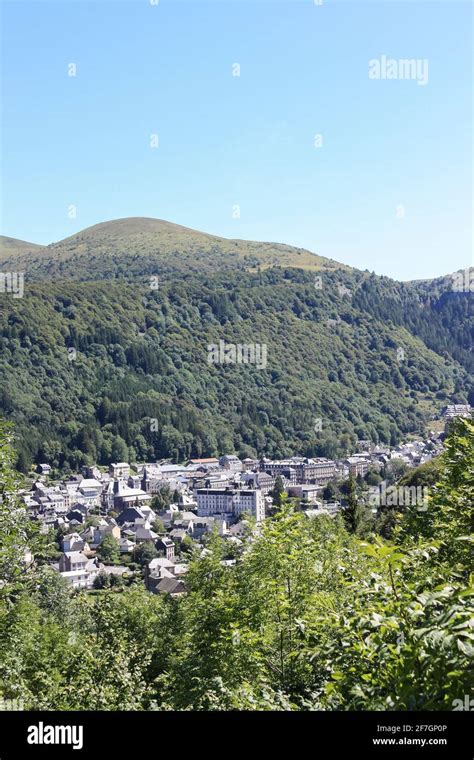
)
(156, 245)
(11, 248)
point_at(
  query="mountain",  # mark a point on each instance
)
(103, 361)
(139, 246)
(11, 248)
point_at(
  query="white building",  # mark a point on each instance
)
(78, 570)
(231, 462)
(89, 491)
(119, 470)
(230, 501)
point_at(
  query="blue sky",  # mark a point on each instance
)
(389, 189)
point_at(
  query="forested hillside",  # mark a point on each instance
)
(142, 354)
(106, 354)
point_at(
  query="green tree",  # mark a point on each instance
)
(158, 526)
(277, 492)
(108, 550)
(143, 553)
(356, 514)
(162, 499)
(17, 535)
(102, 580)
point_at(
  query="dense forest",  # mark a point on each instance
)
(115, 369)
(311, 616)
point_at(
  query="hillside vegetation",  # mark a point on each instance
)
(106, 355)
(125, 248)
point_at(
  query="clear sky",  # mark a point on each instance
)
(388, 189)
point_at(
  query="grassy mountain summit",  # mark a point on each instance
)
(94, 353)
(140, 245)
(11, 248)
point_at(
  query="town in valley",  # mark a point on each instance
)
(143, 522)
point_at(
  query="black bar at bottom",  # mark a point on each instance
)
(171, 734)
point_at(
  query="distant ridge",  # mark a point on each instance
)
(12, 246)
(156, 245)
